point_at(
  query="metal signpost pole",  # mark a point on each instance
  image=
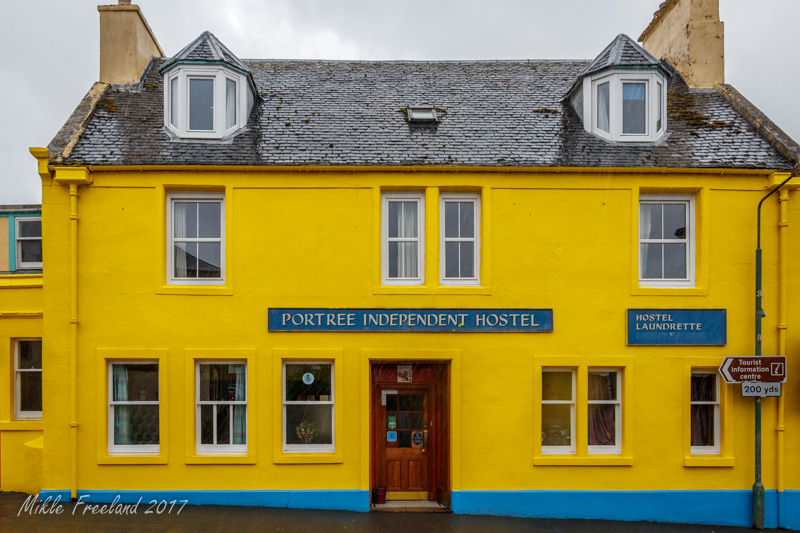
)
(758, 488)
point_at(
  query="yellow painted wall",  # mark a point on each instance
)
(564, 241)
(20, 317)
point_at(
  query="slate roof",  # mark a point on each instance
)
(206, 48)
(623, 52)
(21, 208)
(492, 114)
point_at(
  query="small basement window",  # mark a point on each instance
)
(422, 114)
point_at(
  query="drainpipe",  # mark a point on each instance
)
(73, 338)
(73, 177)
(758, 487)
(783, 230)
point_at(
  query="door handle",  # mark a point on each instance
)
(424, 439)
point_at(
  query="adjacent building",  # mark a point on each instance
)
(21, 345)
(494, 287)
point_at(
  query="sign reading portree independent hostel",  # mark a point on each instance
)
(411, 320)
(680, 327)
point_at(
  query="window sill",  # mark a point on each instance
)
(589, 460)
(103, 459)
(22, 425)
(669, 291)
(21, 281)
(709, 461)
(220, 459)
(196, 290)
(308, 458)
(439, 289)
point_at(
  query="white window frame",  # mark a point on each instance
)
(617, 403)
(615, 79)
(219, 448)
(18, 413)
(475, 199)
(716, 448)
(405, 196)
(561, 450)
(19, 263)
(660, 101)
(207, 197)
(219, 75)
(308, 448)
(131, 449)
(689, 201)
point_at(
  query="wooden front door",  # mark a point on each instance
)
(406, 420)
(404, 431)
(410, 430)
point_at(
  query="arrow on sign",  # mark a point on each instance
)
(726, 375)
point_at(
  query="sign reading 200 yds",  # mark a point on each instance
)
(410, 320)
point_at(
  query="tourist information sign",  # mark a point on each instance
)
(763, 369)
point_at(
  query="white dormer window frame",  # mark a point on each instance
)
(608, 123)
(229, 108)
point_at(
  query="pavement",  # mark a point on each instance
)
(16, 516)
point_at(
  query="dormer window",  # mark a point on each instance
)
(626, 106)
(621, 95)
(205, 103)
(208, 92)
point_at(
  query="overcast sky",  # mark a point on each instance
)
(51, 48)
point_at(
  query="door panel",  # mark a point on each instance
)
(415, 477)
(393, 475)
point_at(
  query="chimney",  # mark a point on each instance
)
(689, 35)
(126, 43)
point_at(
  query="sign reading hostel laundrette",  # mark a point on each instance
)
(686, 327)
(411, 320)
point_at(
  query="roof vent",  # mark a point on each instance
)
(422, 115)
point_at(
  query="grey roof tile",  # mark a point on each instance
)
(493, 113)
(205, 48)
(622, 52)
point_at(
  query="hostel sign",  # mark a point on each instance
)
(678, 327)
(411, 320)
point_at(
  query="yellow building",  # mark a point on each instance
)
(492, 287)
(21, 346)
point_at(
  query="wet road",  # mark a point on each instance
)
(210, 518)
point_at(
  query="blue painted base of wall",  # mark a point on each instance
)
(332, 500)
(724, 507)
(789, 509)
